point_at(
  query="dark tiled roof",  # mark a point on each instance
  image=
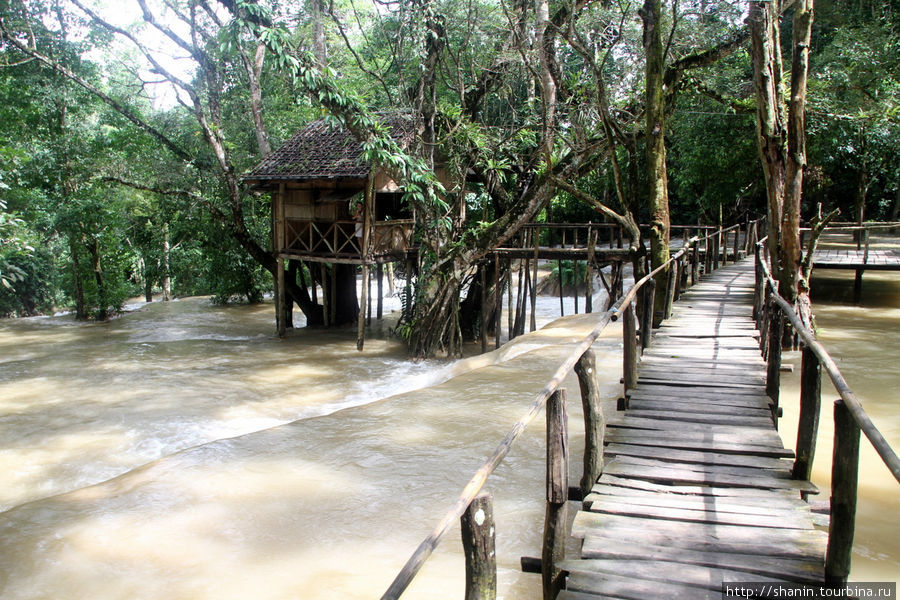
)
(322, 150)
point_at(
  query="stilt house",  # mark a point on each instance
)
(330, 206)
(327, 204)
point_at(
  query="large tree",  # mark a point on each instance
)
(781, 131)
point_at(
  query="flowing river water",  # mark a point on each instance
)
(182, 451)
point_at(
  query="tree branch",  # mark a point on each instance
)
(115, 104)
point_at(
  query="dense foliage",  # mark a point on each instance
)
(120, 168)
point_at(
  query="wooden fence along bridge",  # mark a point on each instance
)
(688, 486)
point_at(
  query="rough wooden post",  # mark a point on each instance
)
(484, 320)
(559, 268)
(594, 426)
(857, 283)
(379, 313)
(707, 260)
(844, 481)
(364, 302)
(773, 372)
(810, 405)
(367, 278)
(737, 242)
(534, 281)
(408, 290)
(671, 276)
(647, 314)
(280, 298)
(759, 287)
(556, 518)
(478, 538)
(629, 345)
(279, 243)
(717, 247)
(765, 313)
(695, 264)
(498, 300)
(326, 312)
(512, 305)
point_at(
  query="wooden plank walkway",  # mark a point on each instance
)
(697, 489)
(875, 260)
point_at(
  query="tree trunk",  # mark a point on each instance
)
(895, 211)
(77, 288)
(436, 328)
(657, 177)
(148, 280)
(770, 121)
(93, 247)
(781, 141)
(796, 150)
(166, 275)
(319, 48)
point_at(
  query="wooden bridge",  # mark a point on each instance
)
(698, 490)
(688, 487)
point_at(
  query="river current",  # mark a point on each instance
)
(183, 451)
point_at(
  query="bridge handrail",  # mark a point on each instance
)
(843, 226)
(420, 555)
(477, 481)
(878, 441)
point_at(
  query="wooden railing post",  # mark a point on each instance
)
(857, 282)
(773, 371)
(737, 242)
(556, 519)
(844, 481)
(759, 287)
(647, 314)
(477, 525)
(672, 274)
(810, 405)
(594, 425)
(629, 349)
(708, 259)
(717, 239)
(695, 264)
(484, 319)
